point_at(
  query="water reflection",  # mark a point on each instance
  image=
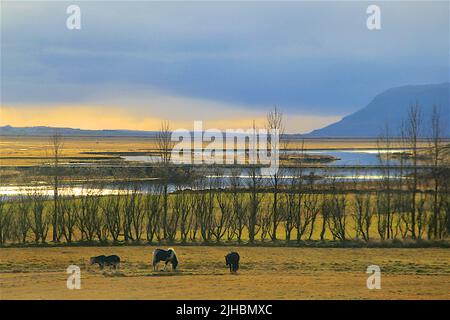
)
(336, 169)
(350, 157)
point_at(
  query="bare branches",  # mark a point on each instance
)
(164, 143)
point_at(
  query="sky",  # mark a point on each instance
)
(227, 63)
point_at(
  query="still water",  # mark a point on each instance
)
(360, 157)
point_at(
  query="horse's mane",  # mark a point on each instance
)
(174, 254)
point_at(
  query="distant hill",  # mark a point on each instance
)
(391, 107)
(48, 131)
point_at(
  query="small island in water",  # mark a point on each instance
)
(308, 158)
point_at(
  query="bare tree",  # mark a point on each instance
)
(400, 199)
(422, 217)
(88, 213)
(384, 198)
(289, 210)
(38, 221)
(362, 211)
(305, 211)
(383, 204)
(437, 173)
(335, 206)
(153, 212)
(133, 213)
(173, 218)
(291, 207)
(221, 220)
(326, 208)
(308, 215)
(413, 133)
(164, 144)
(445, 221)
(240, 206)
(312, 205)
(99, 221)
(56, 145)
(275, 124)
(22, 224)
(138, 216)
(6, 219)
(265, 221)
(186, 216)
(256, 198)
(111, 209)
(69, 211)
(204, 207)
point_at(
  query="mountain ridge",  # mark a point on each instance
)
(390, 108)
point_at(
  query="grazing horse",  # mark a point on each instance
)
(103, 261)
(232, 260)
(168, 255)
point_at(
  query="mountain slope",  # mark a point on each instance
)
(391, 107)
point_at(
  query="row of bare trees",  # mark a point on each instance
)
(421, 172)
(242, 212)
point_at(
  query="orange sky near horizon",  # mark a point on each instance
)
(100, 117)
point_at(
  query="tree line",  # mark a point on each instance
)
(238, 213)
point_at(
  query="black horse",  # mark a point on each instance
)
(168, 255)
(232, 260)
(103, 261)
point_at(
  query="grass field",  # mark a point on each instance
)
(266, 273)
(17, 151)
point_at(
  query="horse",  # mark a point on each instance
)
(168, 255)
(232, 260)
(103, 261)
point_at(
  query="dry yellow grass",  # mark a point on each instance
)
(266, 273)
(29, 147)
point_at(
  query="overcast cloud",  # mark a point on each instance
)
(309, 58)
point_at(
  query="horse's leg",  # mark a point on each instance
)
(165, 265)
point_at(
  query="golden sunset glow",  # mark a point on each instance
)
(101, 117)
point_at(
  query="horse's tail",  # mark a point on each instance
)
(154, 257)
